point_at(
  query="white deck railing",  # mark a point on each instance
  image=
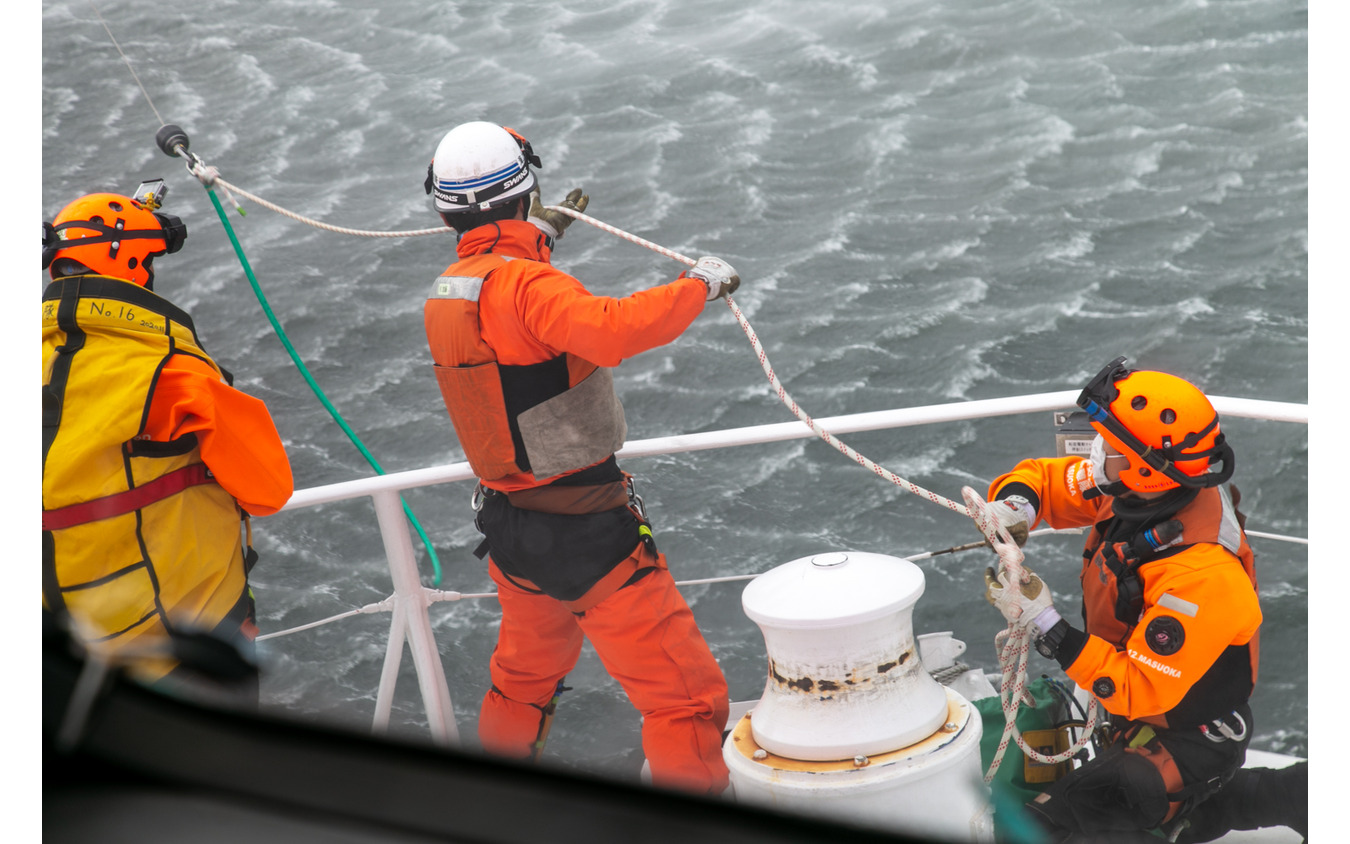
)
(412, 624)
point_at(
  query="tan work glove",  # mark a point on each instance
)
(1015, 515)
(1019, 604)
(554, 223)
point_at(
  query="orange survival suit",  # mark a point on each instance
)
(1171, 643)
(520, 351)
(148, 456)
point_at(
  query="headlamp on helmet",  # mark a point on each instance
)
(1164, 426)
(134, 234)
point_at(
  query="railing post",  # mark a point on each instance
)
(393, 657)
(411, 619)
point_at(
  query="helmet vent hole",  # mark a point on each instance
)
(1139, 402)
(131, 264)
(1168, 416)
(116, 206)
(1144, 471)
(98, 220)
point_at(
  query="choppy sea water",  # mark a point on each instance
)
(928, 202)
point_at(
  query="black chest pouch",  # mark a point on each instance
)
(1124, 559)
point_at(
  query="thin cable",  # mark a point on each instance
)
(1276, 536)
(127, 61)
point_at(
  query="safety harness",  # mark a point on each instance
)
(127, 501)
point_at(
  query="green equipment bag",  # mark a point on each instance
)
(1043, 726)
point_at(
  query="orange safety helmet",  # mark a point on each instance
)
(1162, 424)
(133, 235)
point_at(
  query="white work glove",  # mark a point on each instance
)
(1027, 605)
(720, 277)
(554, 223)
(1015, 515)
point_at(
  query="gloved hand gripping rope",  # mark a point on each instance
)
(1020, 595)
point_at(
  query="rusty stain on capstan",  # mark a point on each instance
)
(810, 684)
(887, 666)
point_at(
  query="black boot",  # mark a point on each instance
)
(1253, 798)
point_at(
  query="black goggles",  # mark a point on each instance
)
(1097, 396)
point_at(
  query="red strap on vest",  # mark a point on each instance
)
(129, 501)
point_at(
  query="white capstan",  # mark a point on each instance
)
(479, 166)
(847, 678)
(851, 724)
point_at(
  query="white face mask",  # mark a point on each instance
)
(1097, 458)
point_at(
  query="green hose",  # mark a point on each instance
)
(314, 385)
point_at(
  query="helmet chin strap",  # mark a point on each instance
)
(1114, 489)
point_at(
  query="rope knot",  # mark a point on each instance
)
(205, 174)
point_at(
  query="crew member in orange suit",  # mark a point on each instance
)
(523, 354)
(152, 462)
(1171, 618)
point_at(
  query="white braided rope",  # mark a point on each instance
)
(777, 385)
(210, 177)
(325, 226)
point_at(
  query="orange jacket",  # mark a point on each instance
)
(529, 313)
(235, 433)
(1190, 655)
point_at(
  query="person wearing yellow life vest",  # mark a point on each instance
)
(1171, 617)
(522, 354)
(152, 462)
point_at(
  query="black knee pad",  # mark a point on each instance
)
(1116, 791)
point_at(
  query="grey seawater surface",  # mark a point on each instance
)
(928, 203)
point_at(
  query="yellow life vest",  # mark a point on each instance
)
(176, 559)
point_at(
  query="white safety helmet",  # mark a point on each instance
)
(480, 166)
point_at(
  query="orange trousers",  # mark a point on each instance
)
(646, 637)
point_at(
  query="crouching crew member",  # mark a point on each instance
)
(1170, 610)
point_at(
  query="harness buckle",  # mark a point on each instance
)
(634, 500)
(1225, 732)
